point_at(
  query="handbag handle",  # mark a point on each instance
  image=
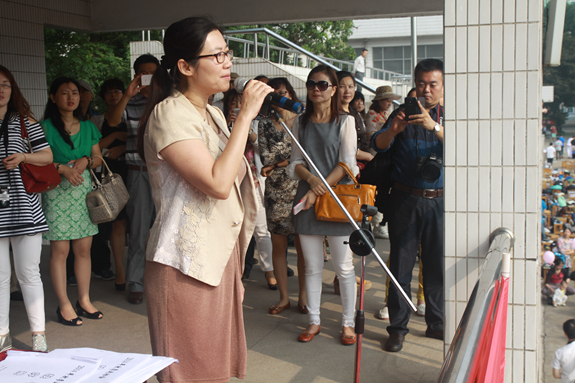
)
(98, 184)
(24, 133)
(106, 165)
(344, 166)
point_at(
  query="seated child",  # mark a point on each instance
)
(554, 278)
(564, 361)
(560, 296)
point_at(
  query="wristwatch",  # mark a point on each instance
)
(436, 128)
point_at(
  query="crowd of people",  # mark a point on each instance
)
(193, 230)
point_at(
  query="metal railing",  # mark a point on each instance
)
(463, 351)
(297, 54)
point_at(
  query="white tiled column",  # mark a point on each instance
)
(493, 161)
(22, 40)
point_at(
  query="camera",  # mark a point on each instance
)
(429, 167)
(4, 196)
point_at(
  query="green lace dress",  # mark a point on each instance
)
(65, 206)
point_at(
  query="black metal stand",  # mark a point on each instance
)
(361, 242)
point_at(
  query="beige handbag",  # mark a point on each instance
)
(107, 198)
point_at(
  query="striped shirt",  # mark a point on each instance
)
(134, 111)
(24, 215)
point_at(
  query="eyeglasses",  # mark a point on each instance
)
(111, 92)
(5, 85)
(221, 56)
(321, 85)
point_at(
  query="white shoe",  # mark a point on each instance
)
(421, 310)
(381, 232)
(376, 219)
(383, 313)
(5, 343)
(39, 343)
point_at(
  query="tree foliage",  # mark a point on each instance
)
(325, 38)
(562, 77)
(94, 57)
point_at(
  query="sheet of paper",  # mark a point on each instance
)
(41, 368)
(118, 367)
(114, 365)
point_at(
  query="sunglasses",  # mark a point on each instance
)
(321, 85)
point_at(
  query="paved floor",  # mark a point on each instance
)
(274, 354)
(553, 336)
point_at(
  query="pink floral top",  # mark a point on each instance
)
(375, 120)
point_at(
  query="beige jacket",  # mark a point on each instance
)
(194, 232)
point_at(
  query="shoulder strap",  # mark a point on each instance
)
(23, 130)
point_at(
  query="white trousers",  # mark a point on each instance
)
(341, 255)
(26, 249)
(263, 236)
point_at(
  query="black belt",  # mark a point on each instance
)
(425, 193)
(138, 168)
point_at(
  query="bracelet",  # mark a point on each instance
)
(58, 167)
(24, 158)
(90, 161)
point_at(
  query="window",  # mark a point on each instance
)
(398, 59)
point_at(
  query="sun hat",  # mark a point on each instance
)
(383, 92)
(84, 84)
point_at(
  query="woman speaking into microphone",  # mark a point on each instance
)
(205, 203)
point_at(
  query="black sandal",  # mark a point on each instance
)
(72, 322)
(80, 310)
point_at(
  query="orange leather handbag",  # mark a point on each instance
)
(352, 196)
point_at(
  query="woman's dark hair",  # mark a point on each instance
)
(17, 103)
(375, 106)
(358, 95)
(111, 84)
(229, 97)
(52, 112)
(277, 82)
(343, 74)
(185, 40)
(335, 105)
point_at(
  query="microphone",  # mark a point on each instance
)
(274, 98)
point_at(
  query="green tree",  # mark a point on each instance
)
(326, 38)
(94, 57)
(562, 77)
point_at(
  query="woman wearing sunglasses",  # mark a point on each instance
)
(328, 137)
(206, 207)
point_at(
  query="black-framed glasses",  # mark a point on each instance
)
(321, 85)
(221, 56)
(6, 85)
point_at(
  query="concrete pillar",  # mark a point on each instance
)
(493, 161)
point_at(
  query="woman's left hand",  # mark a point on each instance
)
(80, 164)
(310, 198)
(13, 160)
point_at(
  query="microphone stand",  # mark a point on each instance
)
(361, 242)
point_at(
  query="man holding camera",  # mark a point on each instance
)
(415, 205)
